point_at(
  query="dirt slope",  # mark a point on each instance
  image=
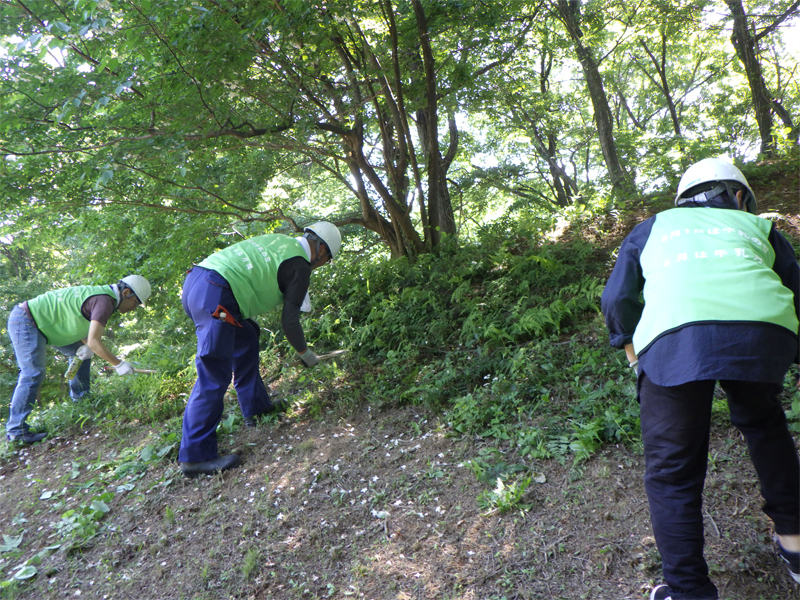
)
(374, 507)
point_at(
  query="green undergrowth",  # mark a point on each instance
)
(502, 337)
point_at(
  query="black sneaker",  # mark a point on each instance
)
(792, 560)
(278, 406)
(209, 467)
(660, 592)
(27, 437)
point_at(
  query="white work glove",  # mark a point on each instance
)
(84, 352)
(309, 358)
(123, 368)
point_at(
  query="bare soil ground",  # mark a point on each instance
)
(373, 505)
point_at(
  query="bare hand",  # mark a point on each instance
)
(632, 358)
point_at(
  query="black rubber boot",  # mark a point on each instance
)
(28, 438)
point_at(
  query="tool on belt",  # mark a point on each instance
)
(223, 314)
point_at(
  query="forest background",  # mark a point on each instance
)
(481, 158)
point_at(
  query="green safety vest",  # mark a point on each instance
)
(58, 313)
(704, 265)
(251, 269)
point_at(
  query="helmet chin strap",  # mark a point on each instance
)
(319, 242)
(704, 197)
(707, 196)
(317, 260)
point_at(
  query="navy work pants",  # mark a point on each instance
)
(675, 432)
(223, 350)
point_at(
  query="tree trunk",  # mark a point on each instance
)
(440, 208)
(570, 16)
(563, 184)
(745, 45)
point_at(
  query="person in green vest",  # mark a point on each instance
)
(72, 320)
(703, 293)
(220, 295)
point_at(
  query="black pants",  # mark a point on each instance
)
(675, 433)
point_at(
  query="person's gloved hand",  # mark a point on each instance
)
(84, 352)
(309, 358)
(123, 368)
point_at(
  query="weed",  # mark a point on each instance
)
(306, 446)
(488, 472)
(425, 497)
(434, 472)
(359, 570)
(78, 526)
(505, 497)
(532, 443)
(228, 424)
(339, 497)
(10, 589)
(252, 563)
(586, 439)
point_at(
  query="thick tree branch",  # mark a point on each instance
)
(774, 25)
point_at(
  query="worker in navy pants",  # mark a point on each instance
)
(221, 295)
(675, 433)
(223, 348)
(703, 293)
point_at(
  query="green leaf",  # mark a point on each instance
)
(25, 573)
(147, 453)
(100, 506)
(165, 450)
(10, 542)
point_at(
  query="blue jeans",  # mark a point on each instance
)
(224, 352)
(30, 348)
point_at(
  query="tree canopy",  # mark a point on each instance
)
(401, 119)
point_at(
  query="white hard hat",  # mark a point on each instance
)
(328, 233)
(710, 171)
(139, 285)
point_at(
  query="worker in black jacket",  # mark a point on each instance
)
(701, 293)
